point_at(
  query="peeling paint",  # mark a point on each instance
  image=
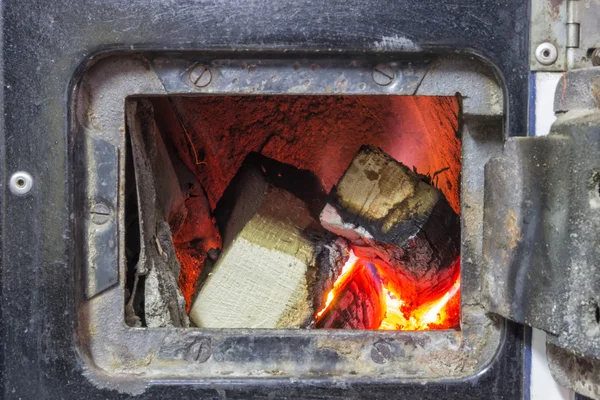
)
(396, 43)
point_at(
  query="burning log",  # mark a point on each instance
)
(261, 277)
(330, 260)
(359, 304)
(393, 217)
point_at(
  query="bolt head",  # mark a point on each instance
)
(200, 75)
(383, 75)
(596, 57)
(20, 183)
(100, 213)
(199, 351)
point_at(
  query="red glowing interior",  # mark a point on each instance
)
(322, 134)
(441, 313)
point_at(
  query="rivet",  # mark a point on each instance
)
(20, 183)
(546, 53)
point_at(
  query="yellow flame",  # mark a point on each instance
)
(393, 316)
(434, 309)
(420, 318)
(346, 269)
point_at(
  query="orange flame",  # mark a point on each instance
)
(339, 282)
(423, 317)
(441, 313)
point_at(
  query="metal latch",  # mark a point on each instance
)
(541, 242)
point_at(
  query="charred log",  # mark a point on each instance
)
(330, 258)
(360, 304)
(402, 223)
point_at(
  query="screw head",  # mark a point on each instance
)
(199, 351)
(381, 352)
(596, 57)
(100, 213)
(546, 53)
(200, 75)
(20, 183)
(383, 75)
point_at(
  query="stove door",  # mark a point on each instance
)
(541, 233)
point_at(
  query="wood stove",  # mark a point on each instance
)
(147, 147)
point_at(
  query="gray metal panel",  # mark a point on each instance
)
(102, 249)
(549, 25)
(542, 224)
(524, 249)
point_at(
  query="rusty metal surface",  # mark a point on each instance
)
(524, 235)
(143, 355)
(568, 26)
(548, 25)
(312, 76)
(295, 76)
(580, 374)
(579, 89)
(586, 15)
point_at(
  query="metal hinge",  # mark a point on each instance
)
(573, 24)
(565, 34)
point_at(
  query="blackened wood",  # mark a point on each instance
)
(396, 219)
(330, 257)
(360, 303)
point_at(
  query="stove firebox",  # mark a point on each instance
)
(348, 213)
(297, 212)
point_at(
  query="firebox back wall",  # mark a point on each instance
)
(318, 133)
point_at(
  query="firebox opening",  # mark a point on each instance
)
(325, 212)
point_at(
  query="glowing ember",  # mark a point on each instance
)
(339, 283)
(433, 315)
(441, 313)
(423, 317)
